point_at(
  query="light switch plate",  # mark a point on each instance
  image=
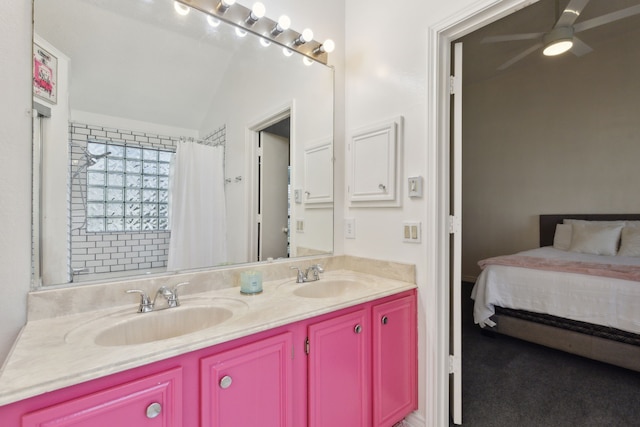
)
(415, 186)
(349, 228)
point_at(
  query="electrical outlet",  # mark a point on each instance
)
(300, 226)
(411, 232)
(350, 228)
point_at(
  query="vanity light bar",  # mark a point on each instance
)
(236, 14)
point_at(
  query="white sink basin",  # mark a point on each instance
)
(327, 288)
(130, 328)
(162, 325)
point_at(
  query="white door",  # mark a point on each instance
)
(455, 221)
(274, 197)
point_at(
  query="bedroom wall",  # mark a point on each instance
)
(558, 138)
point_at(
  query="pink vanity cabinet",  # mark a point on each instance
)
(363, 364)
(352, 367)
(339, 351)
(394, 359)
(250, 385)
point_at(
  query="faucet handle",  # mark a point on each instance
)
(178, 286)
(145, 302)
(173, 300)
(300, 277)
(318, 267)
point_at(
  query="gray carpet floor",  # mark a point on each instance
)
(509, 382)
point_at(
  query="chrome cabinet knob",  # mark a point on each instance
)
(225, 382)
(384, 320)
(154, 410)
(357, 329)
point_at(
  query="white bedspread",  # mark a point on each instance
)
(599, 300)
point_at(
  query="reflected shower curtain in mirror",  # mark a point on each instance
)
(198, 218)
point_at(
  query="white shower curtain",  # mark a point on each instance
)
(198, 212)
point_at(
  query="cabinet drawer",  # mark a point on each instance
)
(153, 401)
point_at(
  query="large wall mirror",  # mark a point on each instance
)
(170, 142)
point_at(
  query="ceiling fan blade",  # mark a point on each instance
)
(606, 19)
(571, 13)
(511, 37)
(520, 56)
(579, 47)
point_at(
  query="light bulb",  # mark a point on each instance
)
(224, 5)
(306, 36)
(258, 10)
(240, 32)
(287, 52)
(264, 42)
(213, 21)
(306, 61)
(328, 46)
(284, 22)
(180, 8)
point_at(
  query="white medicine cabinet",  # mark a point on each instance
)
(374, 179)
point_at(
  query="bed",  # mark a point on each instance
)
(578, 292)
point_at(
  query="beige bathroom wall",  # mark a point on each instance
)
(563, 137)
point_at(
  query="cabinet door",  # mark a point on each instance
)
(394, 360)
(339, 372)
(374, 178)
(250, 385)
(154, 401)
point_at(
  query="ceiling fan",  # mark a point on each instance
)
(561, 38)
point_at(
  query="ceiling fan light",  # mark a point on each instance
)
(557, 47)
(558, 41)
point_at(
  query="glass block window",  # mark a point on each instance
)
(128, 189)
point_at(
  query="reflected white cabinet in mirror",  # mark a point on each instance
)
(136, 81)
(318, 168)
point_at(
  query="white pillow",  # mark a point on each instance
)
(562, 237)
(630, 242)
(584, 221)
(596, 239)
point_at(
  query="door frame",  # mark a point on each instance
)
(437, 162)
(252, 137)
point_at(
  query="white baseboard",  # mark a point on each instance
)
(414, 419)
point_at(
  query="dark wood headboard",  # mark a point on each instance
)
(548, 223)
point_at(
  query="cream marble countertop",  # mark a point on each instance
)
(52, 353)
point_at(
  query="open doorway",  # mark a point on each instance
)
(274, 184)
(440, 115)
(492, 104)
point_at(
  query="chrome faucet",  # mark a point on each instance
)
(170, 295)
(310, 275)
